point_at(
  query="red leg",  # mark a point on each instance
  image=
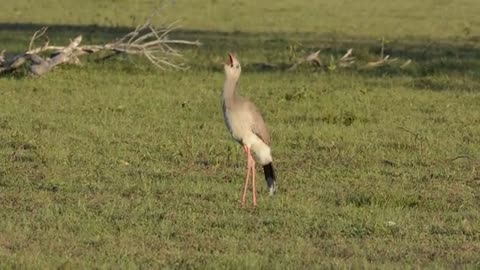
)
(244, 194)
(254, 184)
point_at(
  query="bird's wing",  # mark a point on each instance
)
(258, 125)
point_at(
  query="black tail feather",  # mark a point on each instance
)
(270, 177)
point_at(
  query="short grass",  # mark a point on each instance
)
(374, 18)
(114, 165)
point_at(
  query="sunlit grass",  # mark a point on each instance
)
(118, 165)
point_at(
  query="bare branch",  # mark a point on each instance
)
(38, 34)
(381, 62)
(347, 55)
(153, 41)
(404, 65)
(313, 57)
(146, 40)
(460, 157)
(2, 57)
(41, 66)
(345, 61)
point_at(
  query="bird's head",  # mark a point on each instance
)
(232, 67)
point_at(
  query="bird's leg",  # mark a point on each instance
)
(254, 184)
(244, 194)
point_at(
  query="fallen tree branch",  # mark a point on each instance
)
(2, 57)
(386, 61)
(345, 61)
(146, 40)
(38, 34)
(314, 58)
(381, 62)
(406, 63)
(40, 66)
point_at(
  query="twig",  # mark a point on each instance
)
(404, 65)
(347, 55)
(460, 157)
(416, 135)
(389, 162)
(38, 34)
(380, 62)
(347, 59)
(313, 57)
(2, 57)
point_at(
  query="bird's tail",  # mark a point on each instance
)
(270, 177)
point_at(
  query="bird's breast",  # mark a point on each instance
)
(237, 123)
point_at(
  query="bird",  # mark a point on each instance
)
(247, 127)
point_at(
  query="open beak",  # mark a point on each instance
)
(230, 56)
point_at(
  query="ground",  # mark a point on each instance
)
(116, 164)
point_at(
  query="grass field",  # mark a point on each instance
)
(118, 165)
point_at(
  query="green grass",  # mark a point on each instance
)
(374, 18)
(114, 165)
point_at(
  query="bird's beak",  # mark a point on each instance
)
(230, 56)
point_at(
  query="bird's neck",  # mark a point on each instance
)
(229, 87)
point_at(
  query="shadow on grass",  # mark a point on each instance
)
(273, 52)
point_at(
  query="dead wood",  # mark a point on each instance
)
(146, 40)
(346, 60)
